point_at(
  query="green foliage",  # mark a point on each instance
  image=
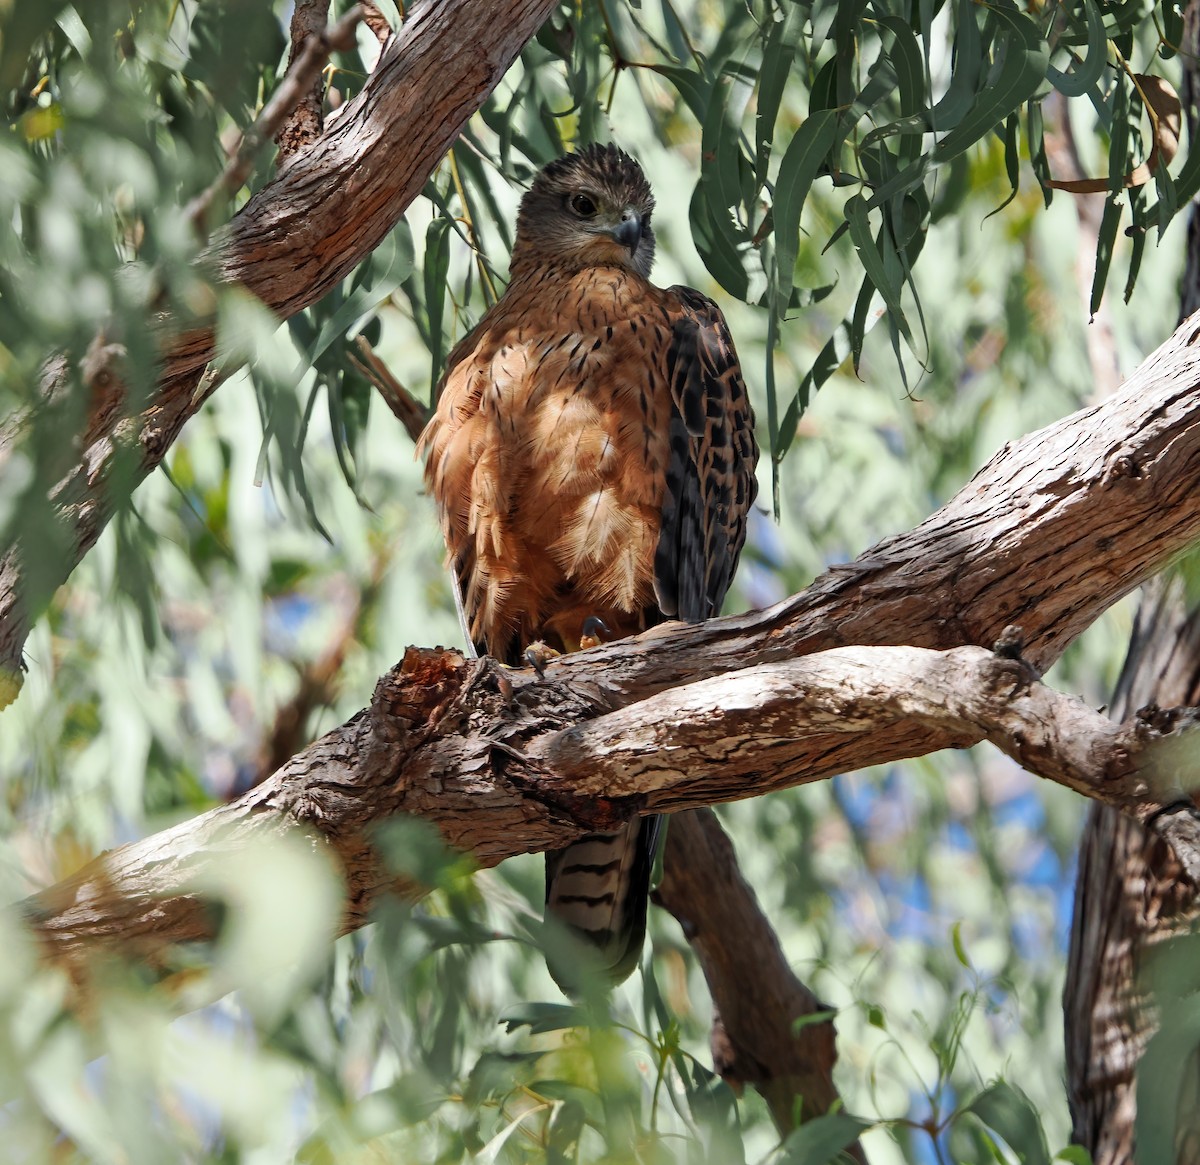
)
(820, 168)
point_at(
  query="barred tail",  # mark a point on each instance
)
(598, 887)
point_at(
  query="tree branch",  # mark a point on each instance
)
(757, 1000)
(294, 240)
(506, 763)
(405, 407)
(306, 116)
(757, 730)
(1050, 532)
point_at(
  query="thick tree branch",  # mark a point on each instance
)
(1050, 532)
(754, 730)
(506, 763)
(1132, 896)
(295, 239)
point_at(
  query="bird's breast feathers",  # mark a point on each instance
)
(547, 453)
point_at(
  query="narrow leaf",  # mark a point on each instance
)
(773, 75)
(1106, 239)
(819, 1141)
(692, 86)
(716, 249)
(803, 158)
(874, 264)
(437, 268)
(1012, 160)
(1006, 1109)
(1080, 79)
(1024, 67)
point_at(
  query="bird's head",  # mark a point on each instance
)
(590, 209)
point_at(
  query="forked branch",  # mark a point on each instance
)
(885, 658)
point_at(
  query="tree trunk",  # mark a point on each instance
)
(1131, 895)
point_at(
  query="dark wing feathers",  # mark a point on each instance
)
(710, 482)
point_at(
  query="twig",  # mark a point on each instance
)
(320, 679)
(406, 408)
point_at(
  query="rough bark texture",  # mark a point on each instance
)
(1052, 531)
(757, 1000)
(757, 728)
(504, 762)
(298, 237)
(307, 119)
(290, 103)
(1131, 893)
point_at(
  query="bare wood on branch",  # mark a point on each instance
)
(507, 763)
(757, 726)
(1052, 531)
(294, 240)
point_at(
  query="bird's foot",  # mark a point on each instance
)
(595, 632)
(537, 655)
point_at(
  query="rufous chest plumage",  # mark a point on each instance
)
(547, 456)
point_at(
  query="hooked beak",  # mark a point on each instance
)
(628, 232)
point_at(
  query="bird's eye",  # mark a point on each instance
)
(583, 206)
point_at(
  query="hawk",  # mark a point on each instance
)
(592, 457)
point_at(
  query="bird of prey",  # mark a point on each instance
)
(592, 457)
